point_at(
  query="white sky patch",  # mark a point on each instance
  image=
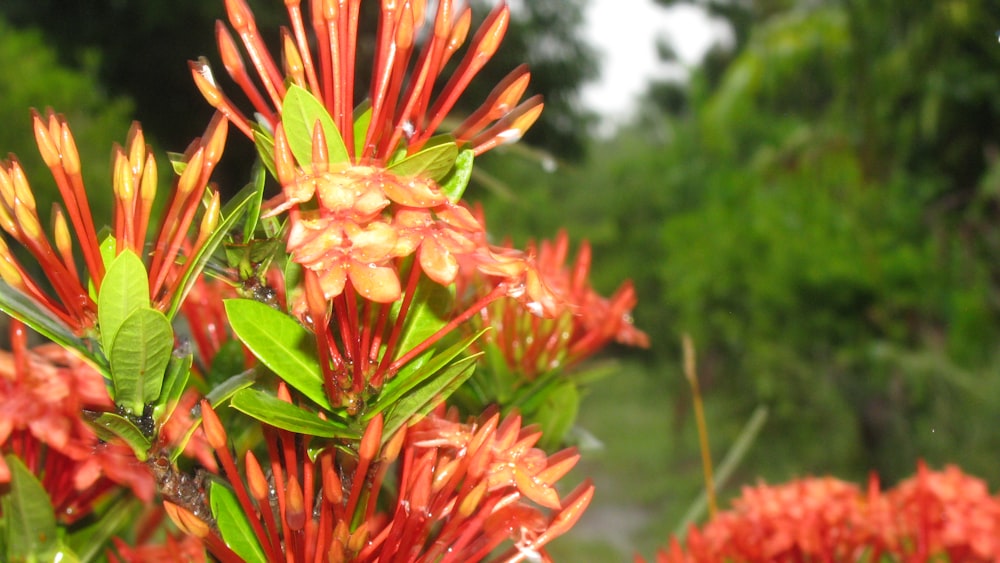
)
(625, 33)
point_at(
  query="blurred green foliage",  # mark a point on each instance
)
(817, 207)
(31, 77)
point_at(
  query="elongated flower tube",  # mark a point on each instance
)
(372, 196)
(454, 492)
(403, 106)
(134, 189)
(585, 321)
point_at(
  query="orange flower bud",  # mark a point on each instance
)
(70, 156)
(46, 143)
(187, 522)
(256, 479)
(295, 510)
(214, 431)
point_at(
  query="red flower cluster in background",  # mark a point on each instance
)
(934, 514)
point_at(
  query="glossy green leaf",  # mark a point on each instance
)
(453, 185)
(433, 161)
(124, 290)
(253, 206)
(362, 120)
(225, 390)
(300, 111)
(28, 311)
(264, 141)
(28, 517)
(177, 162)
(196, 263)
(108, 426)
(139, 356)
(431, 393)
(109, 250)
(411, 376)
(272, 410)
(281, 344)
(233, 524)
(428, 313)
(174, 383)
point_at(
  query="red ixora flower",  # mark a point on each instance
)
(932, 515)
(356, 210)
(584, 321)
(43, 393)
(348, 233)
(461, 491)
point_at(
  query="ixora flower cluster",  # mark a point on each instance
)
(297, 374)
(932, 516)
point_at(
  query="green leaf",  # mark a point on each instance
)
(139, 356)
(177, 162)
(108, 249)
(108, 426)
(264, 142)
(428, 313)
(281, 344)
(89, 539)
(253, 206)
(411, 376)
(174, 383)
(28, 311)
(362, 120)
(272, 410)
(433, 161)
(300, 111)
(124, 290)
(423, 399)
(196, 263)
(233, 524)
(230, 387)
(453, 185)
(28, 517)
(557, 413)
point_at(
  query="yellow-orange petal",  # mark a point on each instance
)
(437, 262)
(375, 283)
(332, 281)
(413, 191)
(372, 243)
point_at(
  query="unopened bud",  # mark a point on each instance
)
(187, 522)
(292, 60)
(203, 79)
(295, 510)
(255, 478)
(46, 144)
(214, 431)
(70, 156)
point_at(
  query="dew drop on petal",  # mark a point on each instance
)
(516, 291)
